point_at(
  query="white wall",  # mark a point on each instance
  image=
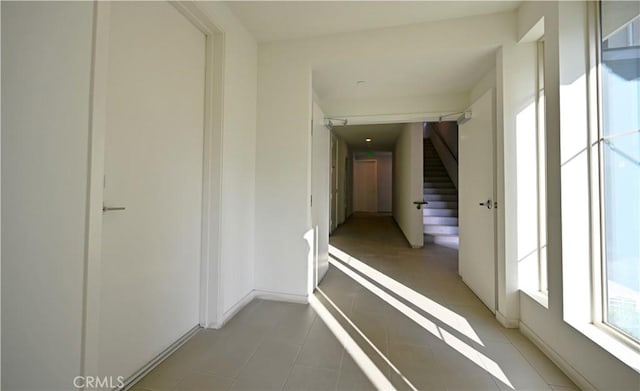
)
(421, 104)
(407, 183)
(283, 174)
(238, 166)
(483, 85)
(565, 35)
(46, 73)
(284, 119)
(514, 80)
(0, 202)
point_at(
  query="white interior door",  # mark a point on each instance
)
(150, 264)
(365, 186)
(477, 264)
(321, 192)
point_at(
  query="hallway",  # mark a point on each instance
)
(402, 314)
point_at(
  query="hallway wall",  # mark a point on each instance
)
(408, 182)
(284, 115)
(367, 106)
(46, 76)
(238, 160)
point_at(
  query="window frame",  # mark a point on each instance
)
(597, 177)
(541, 167)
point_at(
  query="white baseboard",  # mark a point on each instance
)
(279, 296)
(257, 294)
(507, 322)
(560, 362)
(231, 312)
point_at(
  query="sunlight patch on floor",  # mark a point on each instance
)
(377, 378)
(457, 344)
(357, 329)
(444, 314)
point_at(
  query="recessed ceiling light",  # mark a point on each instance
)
(367, 140)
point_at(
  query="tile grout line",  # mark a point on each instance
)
(344, 351)
(293, 364)
(551, 385)
(258, 345)
(340, 370)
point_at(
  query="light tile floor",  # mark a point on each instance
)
(406, 309)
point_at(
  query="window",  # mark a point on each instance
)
(619, 174)
(531, 179)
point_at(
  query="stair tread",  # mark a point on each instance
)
(440, 214)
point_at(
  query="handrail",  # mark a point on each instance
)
(445, 145)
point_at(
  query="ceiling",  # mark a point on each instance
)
(383, 137)
(445, 72)
(449, 71)
(281, 20)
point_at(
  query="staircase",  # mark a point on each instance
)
(440, 215)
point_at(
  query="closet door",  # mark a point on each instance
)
(150, 264)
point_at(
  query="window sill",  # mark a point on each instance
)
(537, 296)
(609, 342)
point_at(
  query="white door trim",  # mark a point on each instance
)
(210, 294)
(211, 297)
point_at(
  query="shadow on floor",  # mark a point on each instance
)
(385, 316)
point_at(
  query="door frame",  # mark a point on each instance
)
(210, 256)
